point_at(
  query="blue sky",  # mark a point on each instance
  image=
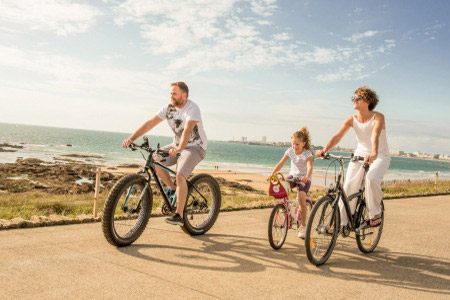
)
(256, 68)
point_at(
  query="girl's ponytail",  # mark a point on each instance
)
(303, 135)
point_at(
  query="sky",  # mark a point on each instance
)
(255, 67)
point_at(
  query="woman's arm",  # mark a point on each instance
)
(348, 123)
(378, 126)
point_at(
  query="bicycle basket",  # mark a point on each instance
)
(278, 187)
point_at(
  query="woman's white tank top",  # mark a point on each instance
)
(364, 138)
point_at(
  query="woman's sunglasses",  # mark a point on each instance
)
(356, 98)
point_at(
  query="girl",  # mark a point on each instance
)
(301, 169)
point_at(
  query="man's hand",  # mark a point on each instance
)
(126, 143)
(173, 152)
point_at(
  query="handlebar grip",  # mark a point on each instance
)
(165, 153)
(357, 158)
(132, 146)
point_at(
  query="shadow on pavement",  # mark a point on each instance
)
(243, 254)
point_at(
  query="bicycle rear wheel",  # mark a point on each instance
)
(322, 231)
(127, 210)
(202, 204)
(278, 226)
(368, 237)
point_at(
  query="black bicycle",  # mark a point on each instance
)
(324, 222)
(129, 203)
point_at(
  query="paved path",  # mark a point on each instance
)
(233, 261)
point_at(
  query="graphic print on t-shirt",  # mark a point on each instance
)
(176, 123)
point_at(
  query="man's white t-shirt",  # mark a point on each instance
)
(299, 165)
(177, 118)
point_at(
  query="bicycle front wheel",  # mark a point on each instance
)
(322, 231)
(127, 210)
(202, 204)
(368, 237)
(278, 226)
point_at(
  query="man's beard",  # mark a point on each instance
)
(175, 102)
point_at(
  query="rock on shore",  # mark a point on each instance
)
(59, 178)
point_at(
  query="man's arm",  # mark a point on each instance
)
(184, 137)
(146, 127)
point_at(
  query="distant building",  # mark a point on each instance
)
(264, 139)
(244, 139)
(397, 152)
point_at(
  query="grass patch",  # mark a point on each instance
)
(407, 188)
(41, 203)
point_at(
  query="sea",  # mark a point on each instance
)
(48, 143)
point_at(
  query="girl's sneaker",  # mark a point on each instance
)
(302, 232)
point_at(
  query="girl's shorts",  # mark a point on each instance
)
(301, 187)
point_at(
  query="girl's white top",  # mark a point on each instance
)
(298, 162)
(364, 137)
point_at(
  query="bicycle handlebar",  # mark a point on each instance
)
(352, 157)
(296, 180)
(146, 147)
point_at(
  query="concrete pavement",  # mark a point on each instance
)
(232, 261)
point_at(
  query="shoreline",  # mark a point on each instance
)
(319, 174)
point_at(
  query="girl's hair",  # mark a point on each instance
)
(369, 95)
(303, 135)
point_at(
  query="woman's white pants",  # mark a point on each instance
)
(374, 194)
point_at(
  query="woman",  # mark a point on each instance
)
(370, 131)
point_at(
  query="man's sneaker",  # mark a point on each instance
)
(175, 220)
(302, 232)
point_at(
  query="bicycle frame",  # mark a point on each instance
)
(150, 165)
(340, 194)
(286, 203)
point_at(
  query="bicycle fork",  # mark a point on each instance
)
(141, 197)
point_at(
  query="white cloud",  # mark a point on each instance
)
(352, 72)
(263, 22)
(66, 74)
(223, 35)
(59, 16)
(388, 45)
(263, 8)
(357, 36)
(283, 36)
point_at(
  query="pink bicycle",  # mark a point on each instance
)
(285, 214)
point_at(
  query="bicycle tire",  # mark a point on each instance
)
(277, 243)
(367, 246)
(195, 204)
(309, 207)
(318, 231)
(110, 220)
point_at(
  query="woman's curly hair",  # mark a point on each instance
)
(369, 95)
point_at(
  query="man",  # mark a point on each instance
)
(184, 118)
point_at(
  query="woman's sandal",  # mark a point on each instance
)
(373, 221)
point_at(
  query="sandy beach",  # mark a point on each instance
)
(256, 181)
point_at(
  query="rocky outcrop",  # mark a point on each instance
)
(58, 178)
